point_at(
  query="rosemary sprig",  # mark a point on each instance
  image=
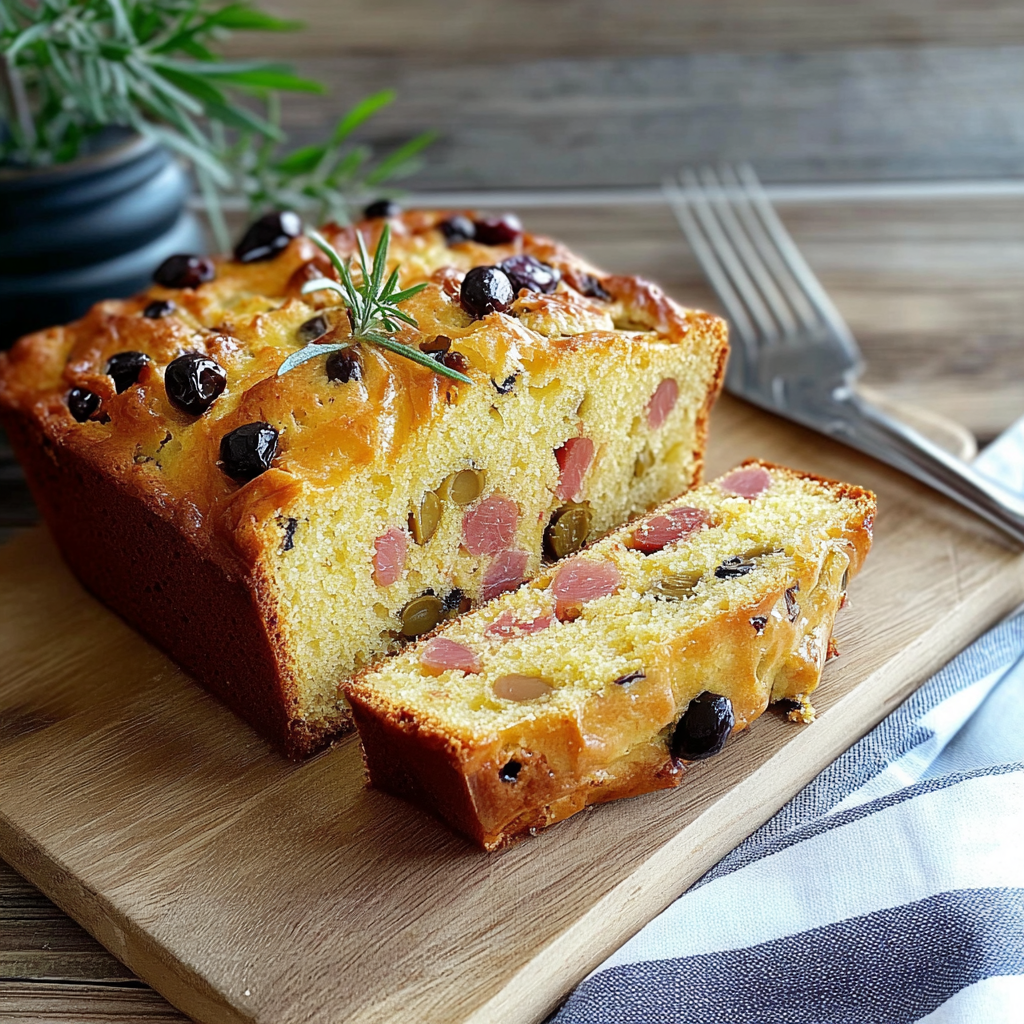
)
(69, 69)
(372, 306)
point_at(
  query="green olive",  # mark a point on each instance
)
(462, 487)
(567, 532)
(424, 518)
(421, 615)
(644, 461)
(760, 551)
(674, 586)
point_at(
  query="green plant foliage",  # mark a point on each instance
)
(69, 68)
(372, 306)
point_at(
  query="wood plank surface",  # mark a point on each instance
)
(246, 888)
(506, 30)
(848, 115)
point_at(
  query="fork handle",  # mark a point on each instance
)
(858, 423)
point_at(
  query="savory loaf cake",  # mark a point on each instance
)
(605, 675)
(273, 531)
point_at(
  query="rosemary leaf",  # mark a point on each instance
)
(371, 306)
(310, 351)
(70, 68)
(323, 284)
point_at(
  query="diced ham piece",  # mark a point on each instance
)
(506, 572)
(389, 557)
(442, 654)
(662, 402)
(574, 459)
(674, 526)
(491, 526)
(507, 625)
(750, 482)
(581, 580)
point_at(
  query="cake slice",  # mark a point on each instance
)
(604, 676)
(274, 532)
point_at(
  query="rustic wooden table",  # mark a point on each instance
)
(530, 96)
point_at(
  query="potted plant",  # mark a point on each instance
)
(107, 106)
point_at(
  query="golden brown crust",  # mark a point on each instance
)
(213, 621)
(223, 319)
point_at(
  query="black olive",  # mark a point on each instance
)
(454, 361)
(458, 229)
(510, 771)
(289, 525)
(498, 230)
(591, 287)
(787, 705)
(439, 343)
(314, 328)
(158, 309)
(792, 608)
(733, 568)
(704, 727)
(529, 273)
(82, 403)
(248, 451)
(631, 677)
(486, 290)
(382, 208)
(506, 385)
(184, 271)
(194, 382)
(759, 622)
(125, 368)
(344, 365)
(267, 236)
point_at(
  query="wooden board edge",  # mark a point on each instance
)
(538, 987)
(184, 988)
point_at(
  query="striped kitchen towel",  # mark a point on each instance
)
(889, 891)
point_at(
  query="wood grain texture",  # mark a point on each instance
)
(503, 30)
(51, 1003)
(245, 888)
(848, 115)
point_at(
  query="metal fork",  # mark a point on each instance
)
(792, 352)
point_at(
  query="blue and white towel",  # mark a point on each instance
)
(889, 891)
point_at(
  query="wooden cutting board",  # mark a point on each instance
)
(245, 888)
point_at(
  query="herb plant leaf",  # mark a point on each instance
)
(71, 68)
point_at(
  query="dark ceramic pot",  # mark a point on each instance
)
(92, 229)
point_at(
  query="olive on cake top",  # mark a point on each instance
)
(275, 524)
(612, 670)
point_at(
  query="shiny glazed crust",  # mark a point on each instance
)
(613, 743)
(149, 523)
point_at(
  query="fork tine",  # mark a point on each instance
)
(788, 295)
(797, 266)
(729, 258)
(728, 205)
(716, 274)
